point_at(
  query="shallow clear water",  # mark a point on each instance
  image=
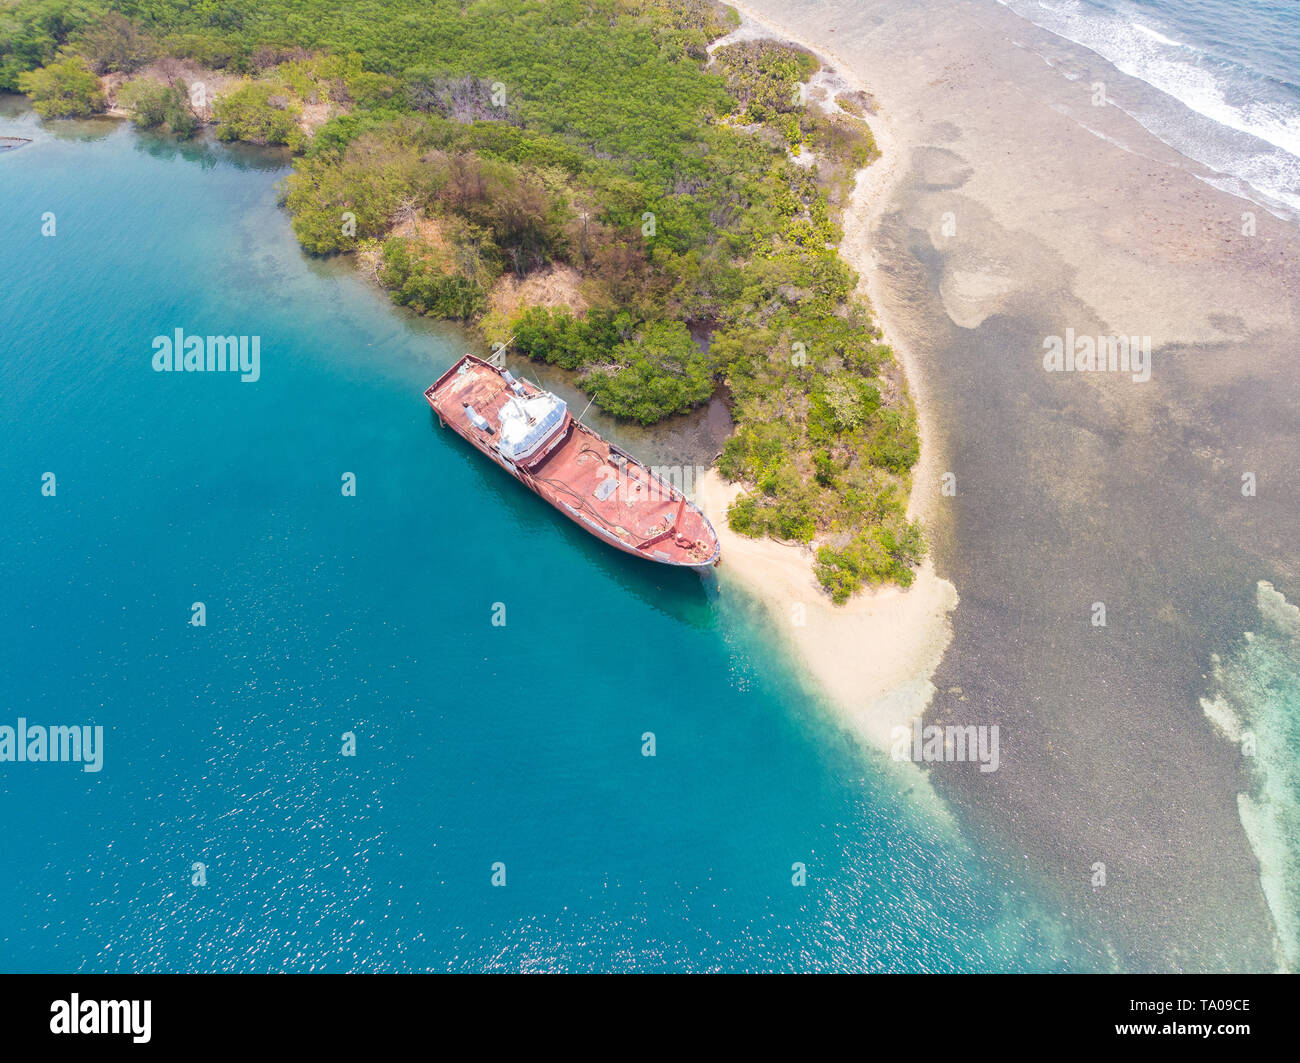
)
(1255, 702)
(372, 615)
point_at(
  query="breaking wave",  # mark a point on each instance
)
(1228, 71)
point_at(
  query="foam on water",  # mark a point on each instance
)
(1157, 35)
(1255, 703)
(1233, 102)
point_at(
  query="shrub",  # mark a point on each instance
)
(260, 112)
(115, 43)
(873, 556)
(764, 75)
(559, 337)
(662, 372)
(423, 283)
(895, 446)
(65, 89)
(153, 105)
(374, 174)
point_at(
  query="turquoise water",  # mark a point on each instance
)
(371, 615)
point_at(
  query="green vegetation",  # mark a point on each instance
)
(766, 78)
(465, 148)
(632, 368)
(260, 112)
(66, 88)
(154, 105)
(448, 278)
(115, 44)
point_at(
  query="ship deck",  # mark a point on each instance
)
(624, 498)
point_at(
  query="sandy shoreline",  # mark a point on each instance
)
(875, 656)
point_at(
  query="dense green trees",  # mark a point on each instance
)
(31, 34)
(115, 44)
(353, 182)
(642, 370)
(559, 337)
(659, 371)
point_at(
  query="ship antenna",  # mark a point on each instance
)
(500, 352)
(499, 355)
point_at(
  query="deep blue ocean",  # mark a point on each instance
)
(1227, 74)
(371, 615)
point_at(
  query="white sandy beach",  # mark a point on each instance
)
(874, 656)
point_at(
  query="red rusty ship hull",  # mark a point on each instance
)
(591, 481)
